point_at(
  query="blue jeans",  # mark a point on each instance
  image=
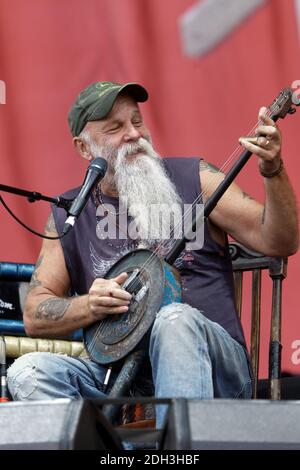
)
(191, 357)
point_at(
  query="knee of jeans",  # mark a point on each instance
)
(176, 318)
(21, 376)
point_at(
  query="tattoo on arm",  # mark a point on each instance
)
(52, 309)
(205, 166)
(50, 226)
(35, 282)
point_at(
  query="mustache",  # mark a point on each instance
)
(142, 146)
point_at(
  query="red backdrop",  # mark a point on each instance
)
(50, 50)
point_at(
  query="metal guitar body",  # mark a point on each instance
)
(153, 283)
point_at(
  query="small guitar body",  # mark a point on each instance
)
(153, 284)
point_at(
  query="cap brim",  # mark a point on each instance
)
(101, 110)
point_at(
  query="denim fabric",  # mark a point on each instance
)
(40, 376)
(191, 357)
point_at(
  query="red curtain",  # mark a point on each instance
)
(50, 50)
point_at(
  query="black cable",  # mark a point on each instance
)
(26, 226)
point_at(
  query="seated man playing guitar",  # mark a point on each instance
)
(196, 344)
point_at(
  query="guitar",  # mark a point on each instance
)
(153, 281)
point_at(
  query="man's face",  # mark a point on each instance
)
(123, 125)
(135, 171)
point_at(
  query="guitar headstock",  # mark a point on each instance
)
(282, 105)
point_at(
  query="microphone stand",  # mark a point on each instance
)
(33, 196)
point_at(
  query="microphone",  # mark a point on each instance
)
(95, 172)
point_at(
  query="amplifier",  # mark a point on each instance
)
(233, 424)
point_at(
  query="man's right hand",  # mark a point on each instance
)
(107, 297)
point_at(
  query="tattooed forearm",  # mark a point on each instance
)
(205, 166)
(52, 309)
(35, 282)
(50, 226)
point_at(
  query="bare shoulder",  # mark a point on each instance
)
(211, 176)
(209, 167)
(236, 213)
(50, 227)
(50, 274)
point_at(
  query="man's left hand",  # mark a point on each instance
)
(267, 143)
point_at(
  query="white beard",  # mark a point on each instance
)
(145, 189)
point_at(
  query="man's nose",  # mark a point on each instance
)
(132, 133)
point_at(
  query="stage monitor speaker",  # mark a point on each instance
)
(56, 424)
(233, 425)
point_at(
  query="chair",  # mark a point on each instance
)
(244, 260)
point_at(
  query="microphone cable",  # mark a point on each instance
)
(41, 235)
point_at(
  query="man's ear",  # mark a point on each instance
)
(83, 148)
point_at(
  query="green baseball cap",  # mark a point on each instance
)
(96, 101)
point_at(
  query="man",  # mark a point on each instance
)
(197, 346)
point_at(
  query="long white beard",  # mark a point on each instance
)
(143, 185)
(145, 189)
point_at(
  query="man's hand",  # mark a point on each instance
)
(266, 145)
(107, 297)
(271, 229)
